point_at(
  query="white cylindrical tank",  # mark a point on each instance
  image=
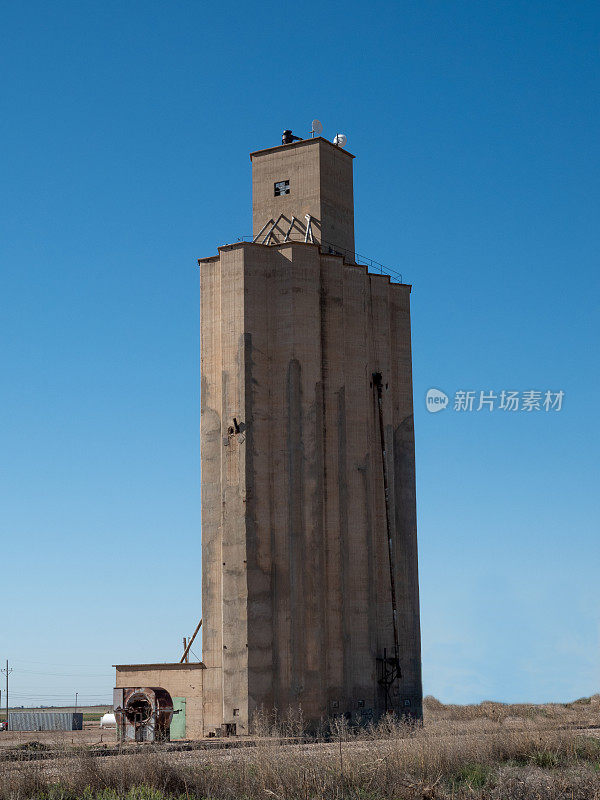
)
(108, 719)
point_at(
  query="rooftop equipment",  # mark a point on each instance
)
(288, 137)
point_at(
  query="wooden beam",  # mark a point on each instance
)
(184, 657)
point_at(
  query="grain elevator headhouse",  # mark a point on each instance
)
(304, 193)
(309, 545)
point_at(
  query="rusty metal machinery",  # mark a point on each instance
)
(145, 715)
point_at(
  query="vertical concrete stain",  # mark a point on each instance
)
(297, 555)
(345, 554)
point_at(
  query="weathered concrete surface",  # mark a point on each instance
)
(320, 177)
(296, 593)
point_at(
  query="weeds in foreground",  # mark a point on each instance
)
(469, 758)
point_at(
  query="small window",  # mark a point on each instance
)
(282, 187)
(236, 712)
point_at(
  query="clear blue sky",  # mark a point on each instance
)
(125, 131)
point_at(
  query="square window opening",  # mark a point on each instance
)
(282, 187)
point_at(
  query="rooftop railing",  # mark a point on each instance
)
(350, 255)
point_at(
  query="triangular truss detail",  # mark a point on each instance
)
(275, 234)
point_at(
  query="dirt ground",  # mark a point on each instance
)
(92, 734)
(439, 720)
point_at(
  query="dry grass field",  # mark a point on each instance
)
(491, 750)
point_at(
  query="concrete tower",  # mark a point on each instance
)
(309, 576)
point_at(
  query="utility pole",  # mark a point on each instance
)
(76, 693)
(7, 671)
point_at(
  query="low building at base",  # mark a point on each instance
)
(184, 682)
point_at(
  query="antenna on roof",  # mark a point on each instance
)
(340, 140)
(316, 129)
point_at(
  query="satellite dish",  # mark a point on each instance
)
(317, 127)
(340, 140)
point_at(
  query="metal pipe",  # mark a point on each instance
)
(309, 229)
(287, 236)
(261, 230)
(272, 228)
(377, 383)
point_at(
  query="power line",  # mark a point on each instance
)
(82, 699)
(43, 692)
(51, 663)
(66, 674)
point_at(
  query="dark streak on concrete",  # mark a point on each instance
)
(344, 554)
(371, 552)
(319, 537)
(252, 543)
(406, 536)
(295, 451)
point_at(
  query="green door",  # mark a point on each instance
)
(178, 721)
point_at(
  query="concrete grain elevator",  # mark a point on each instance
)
(309, 546)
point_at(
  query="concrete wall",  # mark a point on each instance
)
(337, 198)
(224, 589)
(180, 680)
(320, 176)
(296, 583)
